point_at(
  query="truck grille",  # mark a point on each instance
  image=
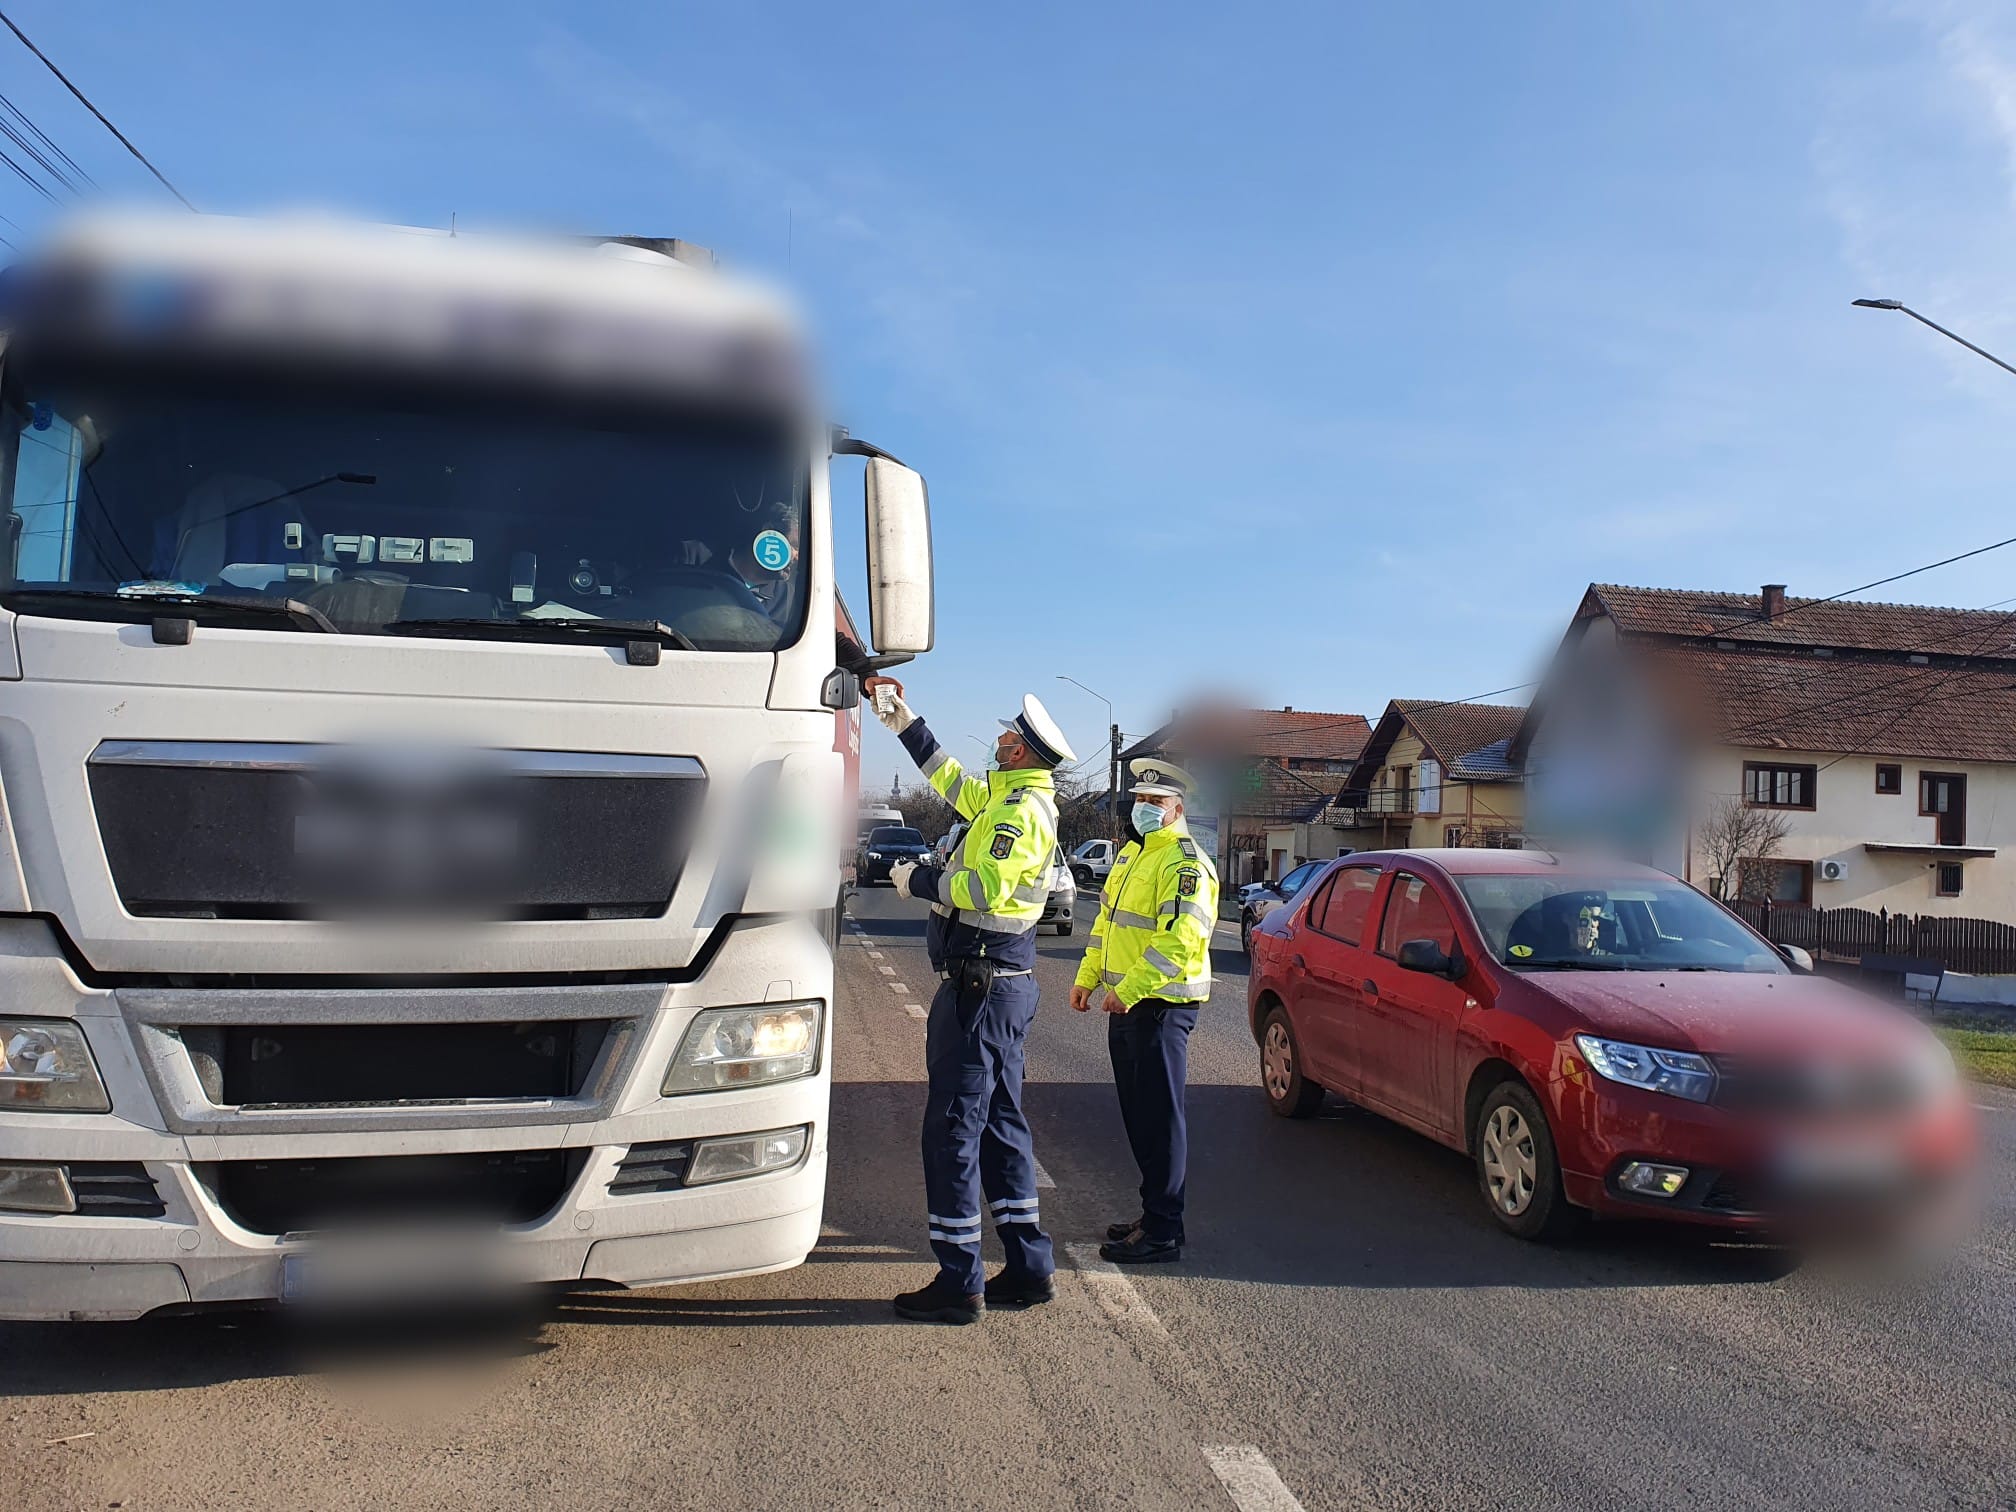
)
(241, 830)
(280, 1065)
(299, 1196)
(656, 1167)
(114, 1189)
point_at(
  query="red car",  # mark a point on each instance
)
(1600, 1038)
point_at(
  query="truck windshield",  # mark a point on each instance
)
(1570, 923)
(379, 507)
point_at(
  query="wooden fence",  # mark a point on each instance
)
(1984, 947)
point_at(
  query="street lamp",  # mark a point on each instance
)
(1898, 304)
(1112, 757)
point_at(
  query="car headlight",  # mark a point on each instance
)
(1676, 1071)
(741, 1047)
(45, 1067)
(742, 1155)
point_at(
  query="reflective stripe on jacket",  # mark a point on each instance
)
(1152, 938)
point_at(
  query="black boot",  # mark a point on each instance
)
(1014, 1289)
(1138, 1249)
(941, 1302)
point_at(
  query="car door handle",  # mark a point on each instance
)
(1298, 963)
(1371, 987)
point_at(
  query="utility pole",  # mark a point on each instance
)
(1113, 828)
(1904, 309)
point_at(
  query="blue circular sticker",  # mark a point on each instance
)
(773, 550)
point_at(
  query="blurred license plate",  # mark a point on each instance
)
(391, 1269)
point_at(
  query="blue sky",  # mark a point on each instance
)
(1320, 353)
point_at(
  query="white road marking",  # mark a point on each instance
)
(915, 1010)
(886, 970)
(875, 953)
(1988, 1108)
(1042, 1176)
(902, 987)
(1113, 1292)
(1249, 1478)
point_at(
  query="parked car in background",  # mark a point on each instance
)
(1091, 860)
(949, 842)
(1063, 899)
(1259, 899)
(1600, 1038)
(885, 846)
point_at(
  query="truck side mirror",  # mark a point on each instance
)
(900, 619)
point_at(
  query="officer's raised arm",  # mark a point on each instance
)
(940, 768)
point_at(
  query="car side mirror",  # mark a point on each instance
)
(1426, 956)
(1799, 958)
(899, 561)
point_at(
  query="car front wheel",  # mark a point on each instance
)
(1290, 1094)
(1517, 1171)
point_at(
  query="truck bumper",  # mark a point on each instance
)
(175, 1153)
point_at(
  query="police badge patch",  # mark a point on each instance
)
(1005, 836)
(1186, 883)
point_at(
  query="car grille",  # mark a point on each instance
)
(1777, 1086)
(299, 1196)
(240, 830)
(656, 1167)
(114, 1189)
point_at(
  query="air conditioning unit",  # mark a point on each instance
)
(1832, 871)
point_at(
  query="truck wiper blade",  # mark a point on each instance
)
(152, 605)
(539, 629)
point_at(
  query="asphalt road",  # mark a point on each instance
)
(1347, 1329)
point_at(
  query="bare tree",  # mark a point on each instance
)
(1741, 842)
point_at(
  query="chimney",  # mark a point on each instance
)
(1287, 708)
(1774, 600)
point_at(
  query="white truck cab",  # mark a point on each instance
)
(419, 795)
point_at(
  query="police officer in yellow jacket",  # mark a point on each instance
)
(1149, 966)
(981, 937)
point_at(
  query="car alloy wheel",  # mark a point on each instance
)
(1510, 1163)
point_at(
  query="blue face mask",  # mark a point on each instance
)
(1148, 817)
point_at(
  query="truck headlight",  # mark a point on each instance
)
(746, 1155)
(740, 1047)
(1676, 1071)
(45, 1067)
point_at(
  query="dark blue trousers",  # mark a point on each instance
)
(1150, 1047)
(976, 1141)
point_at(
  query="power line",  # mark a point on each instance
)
(85, 101)
(29, 179)
(35, 152)
(44, 138)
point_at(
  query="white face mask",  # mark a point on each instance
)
(1149, 817)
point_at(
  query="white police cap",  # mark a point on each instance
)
(1040, 733)
(1156, 778)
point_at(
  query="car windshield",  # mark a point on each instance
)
(1298, 878)
(891, 835)
(402, 510)
(1569, 923)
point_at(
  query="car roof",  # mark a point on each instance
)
(1472, 861)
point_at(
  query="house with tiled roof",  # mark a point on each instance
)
(1437, 773)
(1879, 738)
(1274, 772)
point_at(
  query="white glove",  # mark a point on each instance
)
(899, 876)
(895, 714)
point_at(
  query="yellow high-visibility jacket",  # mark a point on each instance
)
(1152, 938)
(999, 878)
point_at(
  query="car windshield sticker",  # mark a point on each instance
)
(1522, 950)
(772, 550)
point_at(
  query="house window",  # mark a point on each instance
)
(1501, 839)
(1431, 786)
(1889, 778)
(1949, 879)
(1452, 835)
(1775, 881)
(1769, 785)
(1403, 787)
(1943, 796)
